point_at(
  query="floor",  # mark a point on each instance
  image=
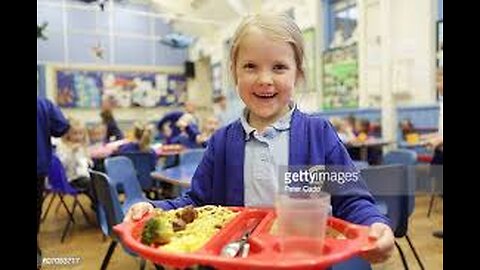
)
(86, 244)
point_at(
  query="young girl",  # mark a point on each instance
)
(142, 134)
(113, 132)
(240, 166)
(72, 152)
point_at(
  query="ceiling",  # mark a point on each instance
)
(201, 17)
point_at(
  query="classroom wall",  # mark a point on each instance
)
(130, 40)
(128, 33)
(411, 58)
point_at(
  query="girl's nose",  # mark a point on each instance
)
(265, 78)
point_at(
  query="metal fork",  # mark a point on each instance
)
(241, 247)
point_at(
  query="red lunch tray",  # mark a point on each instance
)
(264, 247)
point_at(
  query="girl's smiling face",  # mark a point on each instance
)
(266, 74)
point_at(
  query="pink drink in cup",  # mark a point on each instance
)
(302, 223)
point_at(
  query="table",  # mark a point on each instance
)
(180, 175)
(105, 150)
(405, 144)
(364, 145)
(168, 150)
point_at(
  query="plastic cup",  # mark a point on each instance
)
(302, 223)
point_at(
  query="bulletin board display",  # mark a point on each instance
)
(82, 88)
(340, 78)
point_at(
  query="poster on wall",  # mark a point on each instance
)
(340, 78)
(87, 88)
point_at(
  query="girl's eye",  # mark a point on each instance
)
(249, 66)
(280, 67)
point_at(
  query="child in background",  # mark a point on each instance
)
(344, 131)
(97, 133)
(187, 124)
(362, 129)
(168, 126)
(266, 65)
(113, 132)
(72, 152)
(142, 139)
(211, 125)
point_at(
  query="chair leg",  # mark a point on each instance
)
(414, 252)
(142, 263)
(402, 255)
(70, 213)
(83, 212)
(430, 207)
(48, 207)
(432, 196)
(70, 220)
(107, 257)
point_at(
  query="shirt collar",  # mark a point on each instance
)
(281, 124)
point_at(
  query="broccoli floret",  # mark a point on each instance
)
(157, 230)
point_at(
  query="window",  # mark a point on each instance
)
(346, 21)
(341, 22)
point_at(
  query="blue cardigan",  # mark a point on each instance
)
(50, 122)
(218, 179)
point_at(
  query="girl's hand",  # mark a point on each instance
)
(384, 244)
(137, 211)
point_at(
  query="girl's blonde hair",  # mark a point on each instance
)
(76, 124)
(277, 26)
(143, 133)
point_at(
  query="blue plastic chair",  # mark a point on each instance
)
(401, 156)
(121, 171)
(109, 204)
(408, 158)
(59, 185)
(144, 164)
(393, 190)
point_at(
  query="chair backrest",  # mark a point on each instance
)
(408, 158)
(401, 156)
(389, 184)
(109, 210)
(192, 156)
(108, 205)
(57, 177)
(120, 170)
(144, 164)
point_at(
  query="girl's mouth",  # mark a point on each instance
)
(265, 95)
